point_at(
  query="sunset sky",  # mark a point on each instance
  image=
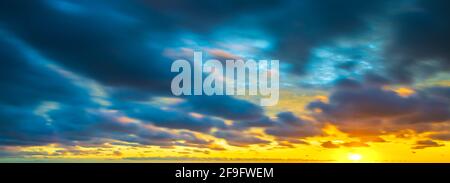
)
(89, 81)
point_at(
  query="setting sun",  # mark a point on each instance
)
(354, 157)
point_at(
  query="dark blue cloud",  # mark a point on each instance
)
(262, 122)
(223, 106)
(204, 15)
(29, 82)
(26, 83)
(288, 125)
(170, 118)
(420, 43)
(94, 42)
(117, 44)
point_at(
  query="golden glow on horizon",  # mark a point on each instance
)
(394, 150)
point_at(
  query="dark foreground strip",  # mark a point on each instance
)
(223, 172)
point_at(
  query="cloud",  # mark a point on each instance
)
(75, 123)
(86, 127)
(116, 45)
(204, 15)
(288, 125)
(329, 144)
(372, 110)
(96, 43)
(240, 139)
(245, 124)
(119, 43)
(223, 106)
(355, 144)
(14, 153)
(285, 127)
(170, 118)
(441, 136)
(300, 26)
(422, 144)
(420, 42)
(24, 92)
(22, 73)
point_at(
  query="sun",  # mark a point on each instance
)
(354, 157)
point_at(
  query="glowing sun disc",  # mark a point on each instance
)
(354, 157)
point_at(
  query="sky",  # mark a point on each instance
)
(89, 81)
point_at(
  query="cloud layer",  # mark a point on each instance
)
(92, 73)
